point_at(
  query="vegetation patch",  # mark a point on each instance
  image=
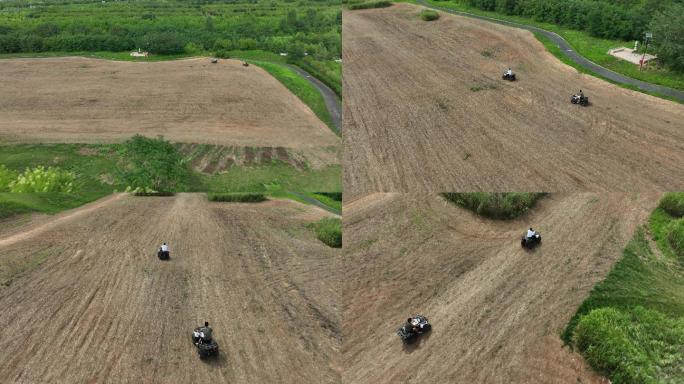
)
(478, 88)
(237, 197)
(329, 231)
(495, 205)
(429, 15)
(370, 4)
(152, 165)
(673, 203)
(631, 327)
(675, 237)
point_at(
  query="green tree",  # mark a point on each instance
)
(668, 36)
(153, 164)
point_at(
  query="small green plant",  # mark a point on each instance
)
(43, 180)
(7, 176)
(673, 203)
(486, 53)
(497, 205)
(631, 346)
(237, 197)
(675, 237)
(429, 15)
(152, 165)
(329, 231)
(370, 4)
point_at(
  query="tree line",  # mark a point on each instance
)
(610, 19)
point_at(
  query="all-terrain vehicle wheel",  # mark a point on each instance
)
(508, 77)
(163, 255)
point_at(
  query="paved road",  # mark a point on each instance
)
(331, 100)
(572, 55)
(316, 203)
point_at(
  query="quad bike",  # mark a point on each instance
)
(531, 242)
(205, 348)
(163, 255)
(580, 99)
(245, 64)
(417, 326)
(508, 77)
(214, 60)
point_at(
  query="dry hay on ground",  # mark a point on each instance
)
(85, 298)
(497, 310)
(425, 109)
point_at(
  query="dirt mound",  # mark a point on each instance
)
(212, 159)
(496, 309)
(93, 101)
(87, 299)
(425, 109)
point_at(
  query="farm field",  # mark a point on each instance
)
(497, 310)
(426, 110)
(89, 300)
(97, 101)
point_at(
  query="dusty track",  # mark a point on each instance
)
(101, 307)
(496, 309)
(92, 101)
(412, 122)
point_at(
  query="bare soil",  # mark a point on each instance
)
(497, 310)
(95, 101)
(425, 109)
(85, 298)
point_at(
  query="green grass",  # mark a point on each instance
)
(237, 197)
(594, 49)
(329, 231)
(304, 90)
(329, 72)
(269, 177)
(328, 199)
(97, 169)
(624, 326)
(117, 56)
(369, 5)
(502, 206)
(429, 15)
(673, 203)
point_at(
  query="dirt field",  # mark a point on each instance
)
(85, 298)
(426, 110)
(94, 101)
(496, 309)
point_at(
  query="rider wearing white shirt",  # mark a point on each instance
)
(531, 233)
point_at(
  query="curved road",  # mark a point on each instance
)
(572, 55)
(332, 102)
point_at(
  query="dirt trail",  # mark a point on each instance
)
(426, 110)
(93, 101)
(496, 309)
(94, 304)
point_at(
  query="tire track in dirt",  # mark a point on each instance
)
(426, 111)
(496, 309)
(102, 305)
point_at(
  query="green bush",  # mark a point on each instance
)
(164, 43)
(673, 203)
(152, 165)
(337, 196)
(675, 237)
(7, 176)
(370, 4)
(497, 205)
(632, 346)
(429, 15)
(43, 180)
(329, 231)
(237, 197)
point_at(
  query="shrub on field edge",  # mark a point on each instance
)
(632, 346)
(329, 231)
(496, 205)
(429, 15)
(675, 237)
(43, 180)
(237, 197)
(7, 176)
(370, 4)
(673, 203)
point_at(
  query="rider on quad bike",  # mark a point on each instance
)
(508, 75)
(413, 327)
(580, 99)
(201, 337)
(530, 239)
(163, 252)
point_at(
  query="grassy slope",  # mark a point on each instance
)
(650, 276)
(507, 205)
(91, 162)
(594, 49)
